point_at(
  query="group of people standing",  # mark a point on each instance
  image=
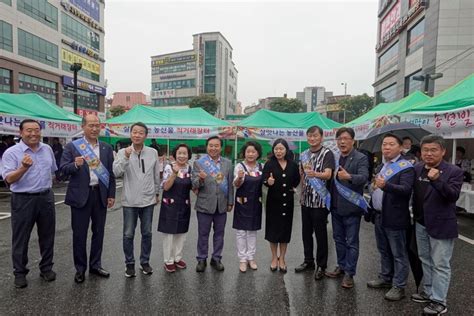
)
(330, 183)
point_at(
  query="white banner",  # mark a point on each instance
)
(10, 124)
(172, 132)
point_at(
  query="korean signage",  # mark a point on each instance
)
(90, 7)
(82, 49)
(166, 77)
(76, 12)
(173, 132)
(173, 60)
(274, 133)
(10, 124)
(390, 20)
(84, 112)
(69, 81)
(72, 58)
(162, 94)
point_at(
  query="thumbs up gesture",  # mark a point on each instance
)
(342, 174)
(27, 161)
(202, 175)
(271, 180)
(241, 174)
(128, 151)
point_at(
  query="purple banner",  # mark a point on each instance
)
(68, 81)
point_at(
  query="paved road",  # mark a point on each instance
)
(230, 292)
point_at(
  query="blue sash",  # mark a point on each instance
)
(317, 184)
(92, 160)
(351, 196)
(211, 168)
(395, 167)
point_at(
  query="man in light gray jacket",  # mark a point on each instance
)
(139, 166)
(212, 178)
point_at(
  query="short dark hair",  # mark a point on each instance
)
(433, 139)
(255, 145)
(461, 150)
(141, 125)
(22, 123)
(289, 154)
(399, 141)
(214, 137)
(177, 147)
(315, 128)
(407, 137)
(348, 130)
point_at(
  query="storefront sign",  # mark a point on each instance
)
(76, 12)
(386, 35)
(72, 58)
(173, 60)
(91, 7)
(162, 94)
(172, 76)
(69, 81)
(82, 49)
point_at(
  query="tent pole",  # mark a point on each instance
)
(453, 155)
(235, 148)
(299, 144)
(168, 149)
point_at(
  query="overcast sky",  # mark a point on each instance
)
(279, 47)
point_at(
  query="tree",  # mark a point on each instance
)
(208, 103)
(355, 106)
(286, 105)
(117, 110)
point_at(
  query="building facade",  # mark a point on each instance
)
(420, 38)
(313, 98)
(208, 68)
(128, 99)
(40, 40)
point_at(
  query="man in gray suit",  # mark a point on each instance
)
(212, 179)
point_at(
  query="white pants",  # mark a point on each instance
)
(173, 247)
(246, 244)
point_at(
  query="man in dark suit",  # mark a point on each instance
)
(390, 202)
(437, 188)
(91, 190)
(346, 214)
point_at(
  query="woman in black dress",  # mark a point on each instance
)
(281, 176)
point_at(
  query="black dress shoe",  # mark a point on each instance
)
(79, 277)
(305, 266)
(319, 273)
(201, 266)
(100, 272)
(217, 264)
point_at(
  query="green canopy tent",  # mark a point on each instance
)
(266, 125)
(55, 121)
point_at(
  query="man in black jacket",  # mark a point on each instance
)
(390, 203)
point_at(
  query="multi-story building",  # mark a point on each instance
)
(128, 99)
(422, 38)
(312, 97)
(206, 69)
(40, 40)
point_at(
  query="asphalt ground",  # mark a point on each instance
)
(230, 292)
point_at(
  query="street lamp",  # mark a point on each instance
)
(345, 93)
(75, 67)
(426, 78)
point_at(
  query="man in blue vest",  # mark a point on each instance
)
(392, 188)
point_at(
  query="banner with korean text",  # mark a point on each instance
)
(10, 124)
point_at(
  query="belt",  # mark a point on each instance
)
(94, 187)
(34, 193)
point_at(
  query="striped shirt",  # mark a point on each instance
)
(319, 160)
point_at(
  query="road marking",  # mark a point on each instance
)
(468, 240)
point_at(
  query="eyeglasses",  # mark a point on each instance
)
(345, 139)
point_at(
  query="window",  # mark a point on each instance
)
(5, 81)
(415, 37)
(79, 32)
(85, 99)
(36, 48)
(386, 95)
(172, 101)
(388, 59)
(83, 72)
(6, 37)
(210, 67)
(176, 84)
(43, 87)
(40, 10)
(413, 85)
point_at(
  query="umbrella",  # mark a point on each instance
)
(415, 262)
(374, 139)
